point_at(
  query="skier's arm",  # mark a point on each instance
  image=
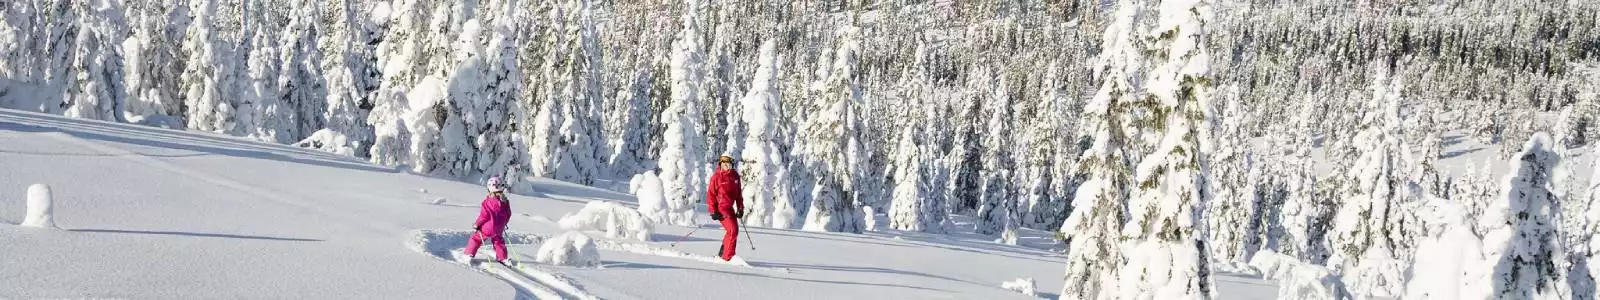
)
(483, 216)
(711, 196)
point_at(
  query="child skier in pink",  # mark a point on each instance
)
(491, 222)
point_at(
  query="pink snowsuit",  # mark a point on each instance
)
(491, 224)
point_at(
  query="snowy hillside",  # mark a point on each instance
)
(154, 213)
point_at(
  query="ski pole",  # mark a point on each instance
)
(686, 236)
(746, 234)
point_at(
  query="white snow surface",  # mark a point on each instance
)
(40, 207)
(156, 213)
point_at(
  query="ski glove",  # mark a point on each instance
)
(738, 215)
(477, 228)
(716, 216)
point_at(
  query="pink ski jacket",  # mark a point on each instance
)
(493, 217)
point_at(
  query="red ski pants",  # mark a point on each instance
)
(477, 241)
(730, 239)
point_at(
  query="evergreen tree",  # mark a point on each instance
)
(763, 163)
(1522, 240)
(684, 160)
(1163, 239)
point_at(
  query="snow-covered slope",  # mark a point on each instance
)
(154, 213)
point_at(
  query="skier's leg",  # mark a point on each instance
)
(730, 238)
(473, 244)
(499, 247)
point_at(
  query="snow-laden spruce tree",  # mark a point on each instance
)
(1094, 227)
(1039, 150)
(97, 88)
(997, 214)
(572, 140)
(1233, 203)
(683, 160)
(1371, 237)
(402, 59)
(439, 143)
(209, 75)
(302, 90)
(914, 206)
(1303, 212)
(831, 140)
(155, 95)
(350, 74)
(501, 150)
(1164, 239)
(269, 118)
(1522, 242)
(762, 159)
(632, 153)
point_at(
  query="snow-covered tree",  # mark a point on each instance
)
(915, 205)
(575, 144)
(302, 90)
(1522, 241)
(97, 88)
(154, 96)
(763, 162)
(1094, 227)
(684, 161)
(833, 143)
(269, 118)
(997, 214)
(1233, 202)
(1164, 239)
(632, 153)
(209, 76)
(1371, 234)
(402, 59)
(351, 78)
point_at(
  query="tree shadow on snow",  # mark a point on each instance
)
(1453, 154)
(196, 234)
(181, 140)
(634, 265)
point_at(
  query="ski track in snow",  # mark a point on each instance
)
(447, 245)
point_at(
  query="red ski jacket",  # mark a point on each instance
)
(723, 195)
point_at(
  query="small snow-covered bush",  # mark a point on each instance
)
(41, 207)
(652, 199)
(870, 218)
(1025, 286)
(615, 220)
(569, 249)
(1299, 280)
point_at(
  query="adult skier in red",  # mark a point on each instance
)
(725, 202)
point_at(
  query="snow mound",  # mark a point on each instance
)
(438, 201)
(327, 140)
(1021, 285)
(615, 220)
(652, 198)
(569, 249)
(1298, 280)
(41, 207)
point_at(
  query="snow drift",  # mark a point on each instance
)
(41, 207)
(1021, 285)
(569, 249)
(615, 220)
(1298, 280)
